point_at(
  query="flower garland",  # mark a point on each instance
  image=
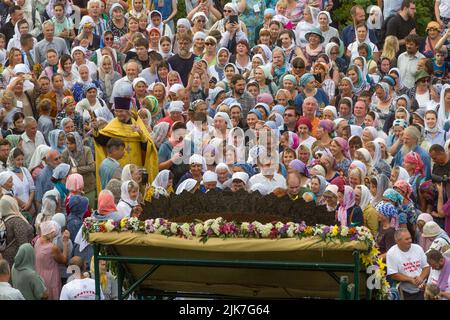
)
(221, 228)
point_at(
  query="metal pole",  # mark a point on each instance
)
(120, 275)
(356, 273)
(343, 288)
(97, 271)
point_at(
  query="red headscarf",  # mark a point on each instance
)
(404, 187)
(414, 158)
(106, 203)
(305, 121)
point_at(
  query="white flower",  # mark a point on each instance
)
(318, 231)
(185, 228)
(109, 225)
(279, 225)
(198, 229)
(208, 223)
(156, 224)
(244, 226)
(173, 227)
(291, 230)
(344, 231)
(215, 228)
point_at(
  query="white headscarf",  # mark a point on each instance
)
(188, 185)
(226, 117)
(403, 174)
(375, 19)
(126, 173)
(4, 177)
(125, 196)
(366, 197)
(442, 118)
(160, 184)
(198, 159)
(377, 153)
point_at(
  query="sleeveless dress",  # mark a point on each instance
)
(47, 268)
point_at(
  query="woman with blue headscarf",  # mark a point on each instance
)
(317, 186)
(308, 83)
(57, 140)
(280, 64)
(358, 80)
(59, 176)
(388, 217)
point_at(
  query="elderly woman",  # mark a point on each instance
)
(85, 79)
(318, 185)
(414, 165)
(197, 166)
(24, 276)
(161, 186)
(362, 199)
(18, 230)
(434, 35)
(86, 37)
(57, 140)
(356, 176)
(58, 179)
(48, 256)
(384, 105)
(314, 47)
(80, 158)
(68, 104)
(189, 185)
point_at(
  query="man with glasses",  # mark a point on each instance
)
(290, 119)
(402, 24)
(407, 61)
(31, 139)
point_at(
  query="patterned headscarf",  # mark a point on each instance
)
(347, 202)
(390, 211)
(393, 196)
(428, 190)
(414, 158)
(404, 187)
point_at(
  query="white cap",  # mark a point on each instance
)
(200, 14)
(174, 88)
(78, 48)
(209, 176)
(137, 80)
(176, 106)
(240, 176)
(332, 188)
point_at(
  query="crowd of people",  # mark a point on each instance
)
(126, 105)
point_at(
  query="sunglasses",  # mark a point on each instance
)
(209, 44)
(201, 20)
(433, 29)
(109, 39)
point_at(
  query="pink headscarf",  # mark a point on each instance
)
(425, 243)
(294, 141)
(75, 183)
(404, 187)
(347, 203)
(414, 158)
(106, 203)
(344, 146)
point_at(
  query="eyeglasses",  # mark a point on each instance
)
(228, 11)
(289, 115)
(432, 29)
(425, 80)
(201, 20)
(57, 158)
(109, 39)
(209, 44)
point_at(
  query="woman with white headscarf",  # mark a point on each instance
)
(375, 20)
(323, 22)
(107, 76)
(218, 70)
(21, 27)
(50, 204)
(6, 183)
(197, 165)
(161, 186)
(444, 109)
(223, 176)
(362, 199)
(86, 37)
(189, 185)
(128, 198)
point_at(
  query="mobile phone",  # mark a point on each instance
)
(234, 19)
(318, 77)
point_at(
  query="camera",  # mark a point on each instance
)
(234, 19)
(144, 175)
(439, 179)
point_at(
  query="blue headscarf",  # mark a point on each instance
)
(394, 196)
(305, 79)
(78, 206)
(53, 138)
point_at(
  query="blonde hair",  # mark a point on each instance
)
(390, 48)
(281, 4)
(132, 185)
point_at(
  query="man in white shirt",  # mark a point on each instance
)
(268, 176)
(31, 139)
(407, 61)
(440, 272)
(80, 288)
(6, 291)
(407, 263)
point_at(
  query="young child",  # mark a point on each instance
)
(128, 198)
(64, 27)
(440, 65)
(45, 123)
(110, 167)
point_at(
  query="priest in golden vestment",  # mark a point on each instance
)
(129, 127)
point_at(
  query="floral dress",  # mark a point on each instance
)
(296, 15)
(253, 16)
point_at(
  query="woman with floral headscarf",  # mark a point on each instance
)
(388, 217)
(317, 186)
(348, 213)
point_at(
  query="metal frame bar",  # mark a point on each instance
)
(330, 268)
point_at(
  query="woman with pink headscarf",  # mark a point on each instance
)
(348, 213)
(422, 219)
(75, 185)
(415, 167)
(340, 150)
(407, 207)
(323, 133)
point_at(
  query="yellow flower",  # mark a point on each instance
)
(123, 222)
(335, 231)
(309, 230)
(381, 264)
(366, 260)
(374, 252)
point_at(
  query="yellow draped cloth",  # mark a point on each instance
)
(133, 149)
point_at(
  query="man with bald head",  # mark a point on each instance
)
(43, 179)
(81, 287)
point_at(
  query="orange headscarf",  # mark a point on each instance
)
(106, 203)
